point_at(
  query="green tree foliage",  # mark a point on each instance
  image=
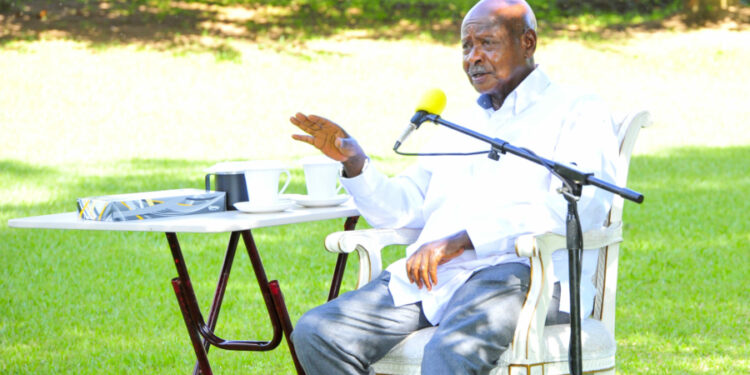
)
(442, 9)
(615, 6)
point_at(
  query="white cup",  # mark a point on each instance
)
(262, 179)
(321, 177)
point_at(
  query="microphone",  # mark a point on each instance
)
(432, 102)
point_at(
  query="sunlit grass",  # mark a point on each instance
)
(682, 297)
(64, 102)
(76, 121)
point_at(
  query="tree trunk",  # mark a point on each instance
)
(702, 11)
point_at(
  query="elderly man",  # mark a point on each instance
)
(462, 274)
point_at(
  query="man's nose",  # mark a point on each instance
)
(474, 56)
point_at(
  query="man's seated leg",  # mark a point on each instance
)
(479, 322)
(346, 335)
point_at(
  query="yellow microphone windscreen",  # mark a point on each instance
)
(432, 101)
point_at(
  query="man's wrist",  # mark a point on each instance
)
(354, 166)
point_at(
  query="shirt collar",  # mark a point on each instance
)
(523, 96)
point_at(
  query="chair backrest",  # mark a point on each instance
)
(606, 274)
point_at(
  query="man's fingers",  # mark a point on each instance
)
(322, 121)
(301, 122)
(424, 270)
(433, 269)
(303, 138)
(409, 263)
(417, 278)
(299, 119)
(421, 268)
(328, 125)
(310, 124)
(316, 118)
(412, 269)
(416, 265)
(318, 123)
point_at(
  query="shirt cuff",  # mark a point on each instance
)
(489, 244)
(363, 184)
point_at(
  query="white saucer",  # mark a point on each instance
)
(279, 205)
(307, 201)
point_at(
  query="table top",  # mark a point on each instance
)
(218, 222)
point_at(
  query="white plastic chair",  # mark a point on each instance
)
(536, 348)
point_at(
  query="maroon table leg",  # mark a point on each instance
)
(260, 275)
(286, 322)
(200, 351)
(272, 296)
(194, 319)
(226, 269)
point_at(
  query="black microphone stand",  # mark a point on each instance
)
(573, 182)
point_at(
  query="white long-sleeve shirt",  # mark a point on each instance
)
(496, 201)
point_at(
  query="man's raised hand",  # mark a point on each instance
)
(325, 135)
(331, 140)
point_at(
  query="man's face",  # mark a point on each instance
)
(492, 60)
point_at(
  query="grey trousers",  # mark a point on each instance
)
(348, 334)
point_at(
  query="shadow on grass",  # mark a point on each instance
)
(14, 169)
(206, 26)
(682, 282)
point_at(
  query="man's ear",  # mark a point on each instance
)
(528, 41)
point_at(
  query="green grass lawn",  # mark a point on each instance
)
(77, 121)
(683, 292)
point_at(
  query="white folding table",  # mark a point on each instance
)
(238, 224)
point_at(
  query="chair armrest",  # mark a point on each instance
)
(528, 345)
(368, 244)
(529, 245)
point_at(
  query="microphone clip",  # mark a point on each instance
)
(418, 118)
(495, 152)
